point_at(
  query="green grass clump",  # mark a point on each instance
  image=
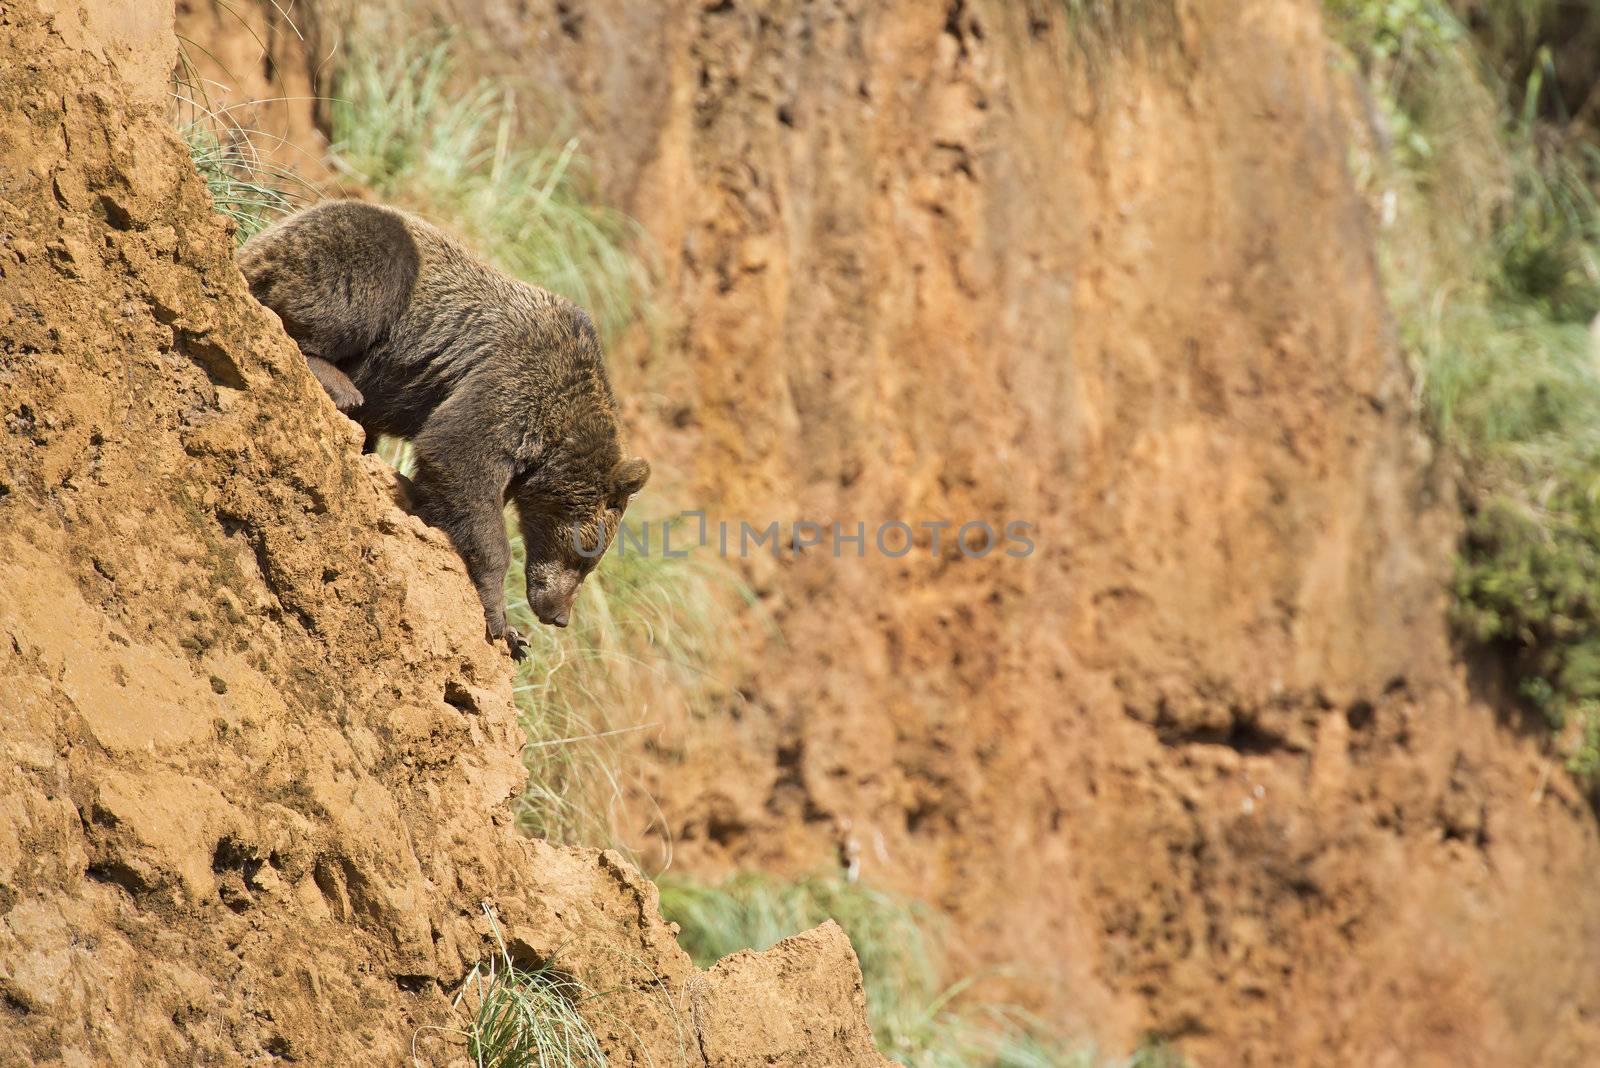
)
(1491, 249)
(524, 1017)
(406, 126)
(914, 1018)
(244, 187)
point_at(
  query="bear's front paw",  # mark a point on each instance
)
(517, 644)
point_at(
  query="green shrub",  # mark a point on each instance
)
(1492, 256)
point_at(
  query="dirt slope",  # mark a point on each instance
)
(255, 749)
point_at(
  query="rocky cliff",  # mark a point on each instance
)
(1204, 765)
(255, 752)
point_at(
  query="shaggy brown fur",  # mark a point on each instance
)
(500, 386)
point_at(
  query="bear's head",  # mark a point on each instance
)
(567, 526)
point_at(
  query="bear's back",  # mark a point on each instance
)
(339, 274)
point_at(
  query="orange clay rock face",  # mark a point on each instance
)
(1205, 764)
(254, 748)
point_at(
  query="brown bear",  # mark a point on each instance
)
(500, 386)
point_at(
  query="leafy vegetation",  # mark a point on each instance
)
(648, 630)
(915, 1020)
(1492, 255)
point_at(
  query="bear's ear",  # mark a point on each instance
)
(628, 478)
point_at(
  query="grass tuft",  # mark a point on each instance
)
(524, 1017)
(244, 187)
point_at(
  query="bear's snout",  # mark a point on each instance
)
(552, 603)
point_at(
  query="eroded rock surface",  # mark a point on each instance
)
(254, 748)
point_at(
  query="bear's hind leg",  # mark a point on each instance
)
(346, 397)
